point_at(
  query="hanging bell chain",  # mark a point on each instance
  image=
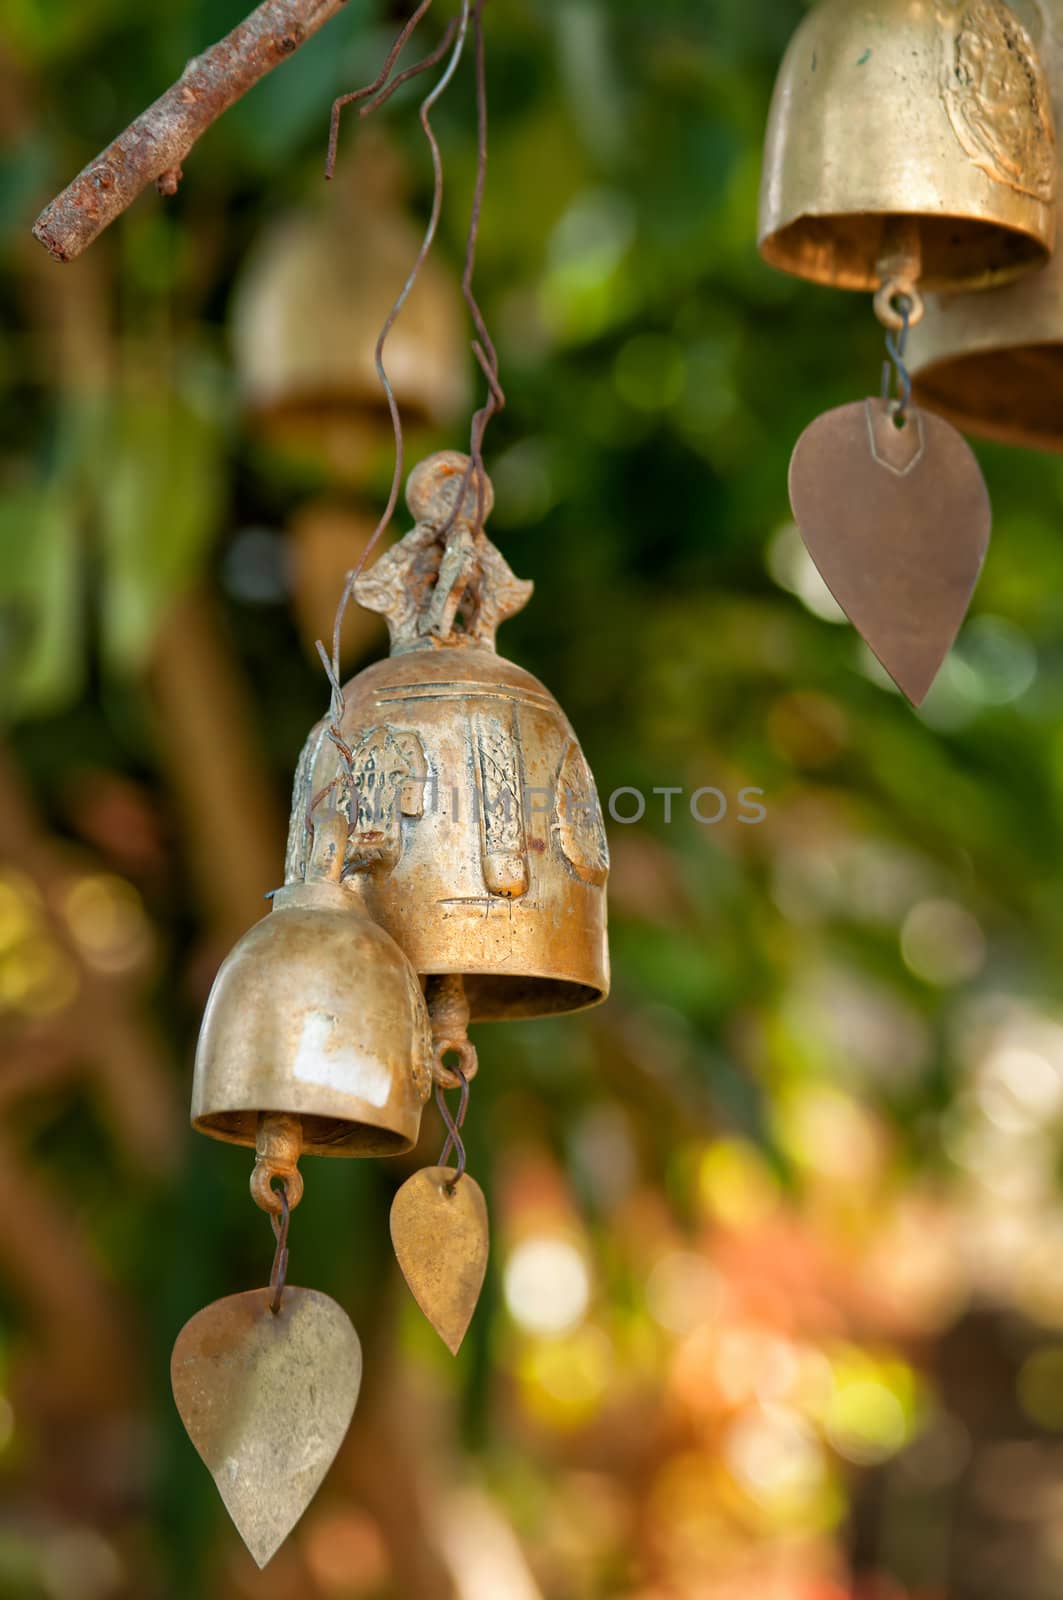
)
(278, 1146)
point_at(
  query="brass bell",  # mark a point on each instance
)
(913, 135)
(316, 1015)
(993, 363)
(475, 820)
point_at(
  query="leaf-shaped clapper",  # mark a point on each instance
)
(267, 1397)
(897, 520)
(440, 1234)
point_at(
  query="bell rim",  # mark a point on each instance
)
(381, 1143)
(1007, 427)
(778, 253)
(490, 994)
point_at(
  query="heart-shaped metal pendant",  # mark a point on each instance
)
(440, 1234)
(897, 520)
(267, 1397)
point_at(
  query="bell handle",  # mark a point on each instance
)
(448, 1012)
(278, 1146)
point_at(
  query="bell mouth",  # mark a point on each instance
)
(1012, 395)
(843, 251)
(503, 997)
(322, 1136)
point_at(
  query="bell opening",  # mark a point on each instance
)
(1012, 395)
(322, 1136)
(957, 252)
(505, 998)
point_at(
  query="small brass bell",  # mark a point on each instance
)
(316, 1015)
(475, 821)
(910, 139)
(993, 363)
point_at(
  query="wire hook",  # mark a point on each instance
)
(896, 350)
(453, 1124)
(279, 1273)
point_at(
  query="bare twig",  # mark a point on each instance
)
(153, 147)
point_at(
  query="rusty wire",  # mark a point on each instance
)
(457, 34)
(279, 1273)
(370, 88)
(453, 1125)
(896, 351)
(483, 347)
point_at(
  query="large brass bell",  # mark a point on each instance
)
(317, 1017)
(475, 822)
(994, 363)
(910, 139)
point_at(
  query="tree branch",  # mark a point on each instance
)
(153, 147)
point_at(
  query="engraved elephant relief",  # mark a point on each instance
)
(390, 781)
(385, 783)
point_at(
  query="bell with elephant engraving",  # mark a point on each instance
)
(474, 819)
(993, 363)
(909, 139)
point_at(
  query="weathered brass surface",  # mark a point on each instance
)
(898, 523)
(475, 822)
(440, 1233)
(267, 1398)
(934, 113)
(994, 363)
(318, 1014)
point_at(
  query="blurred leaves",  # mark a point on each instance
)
(160, 499)
(41, 574)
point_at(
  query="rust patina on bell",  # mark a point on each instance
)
(475, 821)
(317, 1016)
(909, 131)
(993, 363)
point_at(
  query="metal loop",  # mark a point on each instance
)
(453, 1126)
(266, 1172)
(279, 1272)
(890, 313)
(468, 1062)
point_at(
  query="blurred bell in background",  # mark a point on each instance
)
(308, 308)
